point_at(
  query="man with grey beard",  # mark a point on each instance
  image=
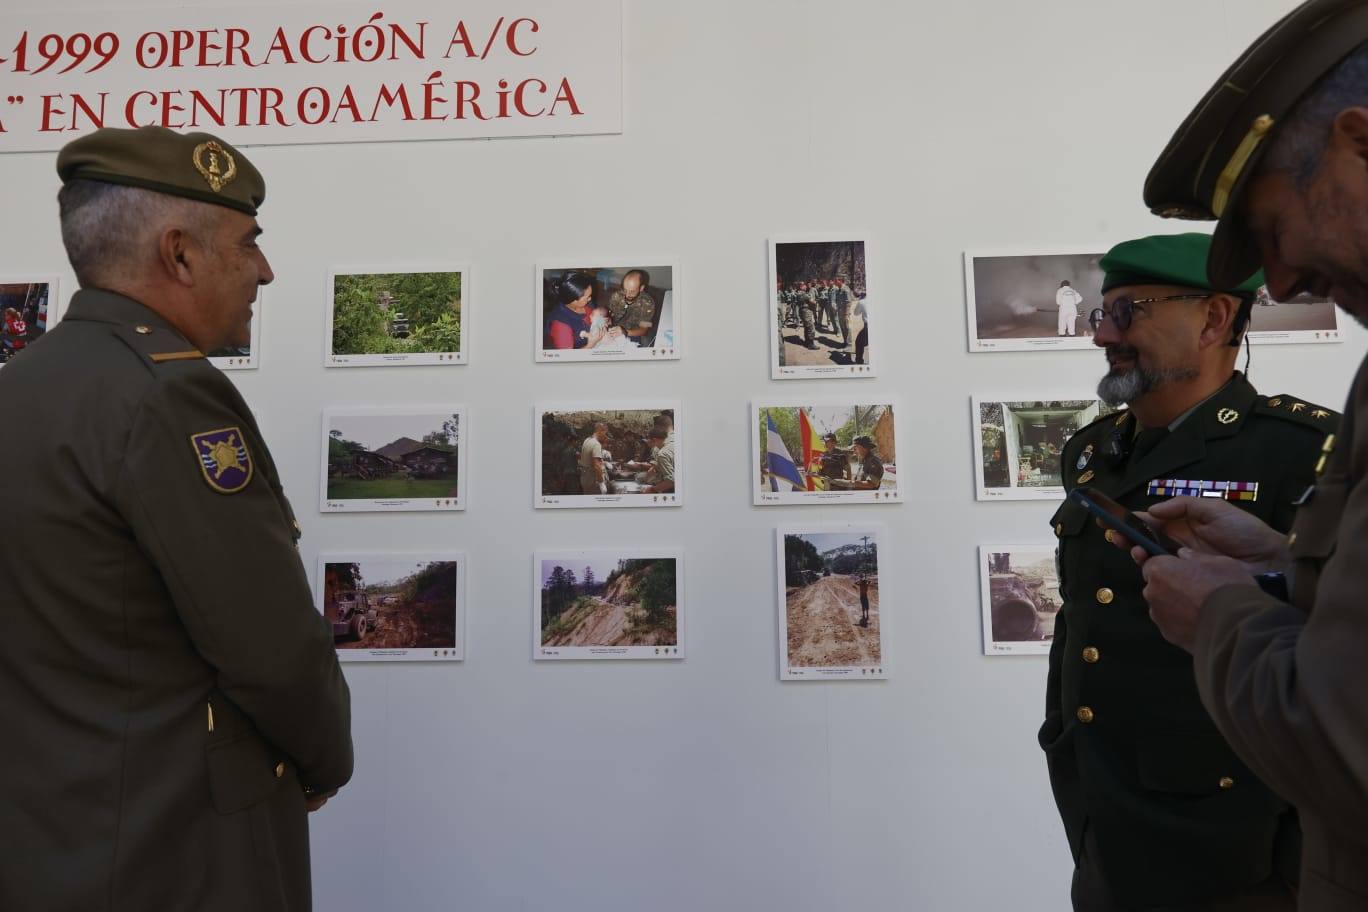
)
(1159, 811)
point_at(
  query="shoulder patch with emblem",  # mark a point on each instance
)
(223, 459)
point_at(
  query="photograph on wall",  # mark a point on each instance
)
(1019, 587)
(628, 312)
(246, 356)
(1304, 318)
(1020, 442)
(819, 307)
(393, 459)
(1032, 301)
(383, 317)
(829, 452)
(392, 607)
(830, 626)
(28, 308)
(608, 455)
(623, 603)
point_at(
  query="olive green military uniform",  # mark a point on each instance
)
(1134, 760)
(1286, 683)
(631, 314)
(169, 693)
(872, 469)
(807, 311)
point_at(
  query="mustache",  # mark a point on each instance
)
(1121, 351)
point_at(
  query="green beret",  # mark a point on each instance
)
(1167, 259)
(196, 166)
(1209, 161)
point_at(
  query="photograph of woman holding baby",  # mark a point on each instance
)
(592, 313)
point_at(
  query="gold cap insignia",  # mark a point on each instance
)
(215, 164)
(1320, 413)
(1227, 416)
(1298, 406)
(1275, 401)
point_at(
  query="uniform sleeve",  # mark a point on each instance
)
(1286, 689)
(235, 577)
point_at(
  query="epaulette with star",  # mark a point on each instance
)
(1291, 408)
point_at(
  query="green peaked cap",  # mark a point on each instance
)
(1167, 259)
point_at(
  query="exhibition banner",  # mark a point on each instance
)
(407, 70)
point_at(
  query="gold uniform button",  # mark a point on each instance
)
(1059, 530)
(1110, 536)
(143, 330)
(1105, 596)
(1091, 655)
(280, 770)
(1226, 782)
(1085, 715)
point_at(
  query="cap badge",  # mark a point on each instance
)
(215, 164)
(1227, 416)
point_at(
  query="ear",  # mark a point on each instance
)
(1221, 310)
(1350, 128)
(175, 256)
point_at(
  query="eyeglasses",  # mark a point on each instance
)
(1123, 308)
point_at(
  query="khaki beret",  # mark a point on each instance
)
(1209, 161)
(1168, 259)
(196, 166)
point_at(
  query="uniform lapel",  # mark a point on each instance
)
(1220, 416)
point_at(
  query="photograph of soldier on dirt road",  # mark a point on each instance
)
(1020, 597)
(393, 459)
(602, 604)
(829, 620)
(391, 607)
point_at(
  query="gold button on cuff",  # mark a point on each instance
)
(1226, 782)
(280, 770)
(143, 330)
(1105, 596)
(1110, 536)
(1085, 715)
(1091, 655)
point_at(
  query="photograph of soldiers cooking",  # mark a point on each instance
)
(611, 451)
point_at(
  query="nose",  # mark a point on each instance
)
(266, 276)
(1282, 280)
(1106, 333)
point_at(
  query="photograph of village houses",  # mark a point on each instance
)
(393, 459)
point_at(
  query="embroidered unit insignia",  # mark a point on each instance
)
(223, 459)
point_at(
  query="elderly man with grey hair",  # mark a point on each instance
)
(172, 700)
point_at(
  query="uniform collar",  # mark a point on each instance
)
(1221, 415)
(95, 305)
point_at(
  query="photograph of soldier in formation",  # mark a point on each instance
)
(607, 605)
(829, 603)
(1304, 318)
(820, 309)
(590, 313)
(607, 457)
(24, 315)
(393, 606)
(1020, 598)
(825, 452)
(1028, 302)
(388, 318)
(1020, 442)
(397, 459)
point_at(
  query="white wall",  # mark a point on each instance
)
(497, 784)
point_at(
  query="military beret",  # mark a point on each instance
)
(196, 166)
(1167, 259)
(1209, 160)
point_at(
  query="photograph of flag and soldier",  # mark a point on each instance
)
(831, 451)
(26, 311)
(830, 625)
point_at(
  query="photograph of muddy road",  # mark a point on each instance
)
(831, 600)
(391, 604)
(597, 600)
